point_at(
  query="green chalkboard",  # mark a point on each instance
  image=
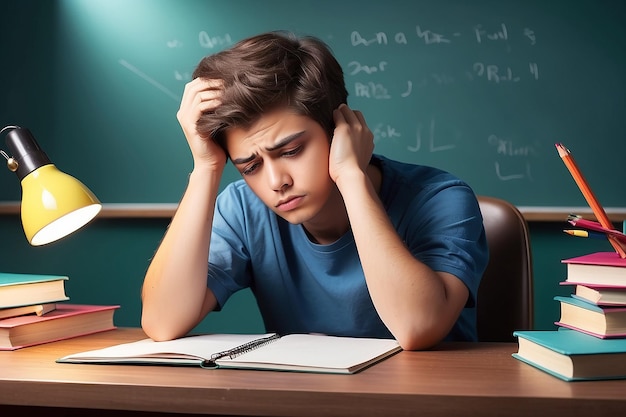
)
(481, 88)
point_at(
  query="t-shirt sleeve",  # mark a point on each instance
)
(446, 233)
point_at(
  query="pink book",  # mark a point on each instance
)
(599, 268)
(67, 321)
(597, 286)
(598, 258)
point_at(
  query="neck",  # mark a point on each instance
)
(333, 221)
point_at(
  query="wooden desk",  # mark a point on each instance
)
(456, 379)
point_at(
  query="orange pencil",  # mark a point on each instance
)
(597, 209)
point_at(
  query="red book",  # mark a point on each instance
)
(599, 268)
(67, 321)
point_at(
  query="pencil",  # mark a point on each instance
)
(596, 227)
(585, 233)
(597, 209)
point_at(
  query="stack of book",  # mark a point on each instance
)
(34, 310)
(590, 340)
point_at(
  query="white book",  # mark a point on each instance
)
(294, 352)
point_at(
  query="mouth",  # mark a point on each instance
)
(289, 203)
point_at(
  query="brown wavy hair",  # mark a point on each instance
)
(271, 70)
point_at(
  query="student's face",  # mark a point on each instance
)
(284, 160)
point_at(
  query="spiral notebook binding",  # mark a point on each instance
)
(246, 347)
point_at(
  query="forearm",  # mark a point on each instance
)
(174, 288)
(412, 300)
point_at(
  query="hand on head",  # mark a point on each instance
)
(352, 144)
(200, 96)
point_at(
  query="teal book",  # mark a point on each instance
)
(598, 321)
(18, 290)
(572, 355)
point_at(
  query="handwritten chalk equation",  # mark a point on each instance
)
(479, 33)
(429, 137)
(480, 71)
(205, 41)
(495, 73)
(425, 137)
(512, 161)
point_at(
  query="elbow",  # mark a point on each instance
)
(157, 330)
(153, 332)
(420, 336)
(417, 342)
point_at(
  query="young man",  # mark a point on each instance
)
(330, 238)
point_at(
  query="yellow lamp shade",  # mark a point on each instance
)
(54, 204)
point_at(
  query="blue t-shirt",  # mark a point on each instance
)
(303, 287)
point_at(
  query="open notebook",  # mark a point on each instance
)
(294, 352)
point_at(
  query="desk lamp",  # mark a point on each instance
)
(54, 204)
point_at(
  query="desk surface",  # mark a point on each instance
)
(453, 379)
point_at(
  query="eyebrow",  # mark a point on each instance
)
(281, 143)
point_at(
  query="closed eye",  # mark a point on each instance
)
(250, 169)
(292, 152)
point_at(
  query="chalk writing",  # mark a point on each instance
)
(174, 43)
(379, 38)
(407, 92)
(534, 69)
(507, 149)
(430, 37)
(182, 76)
(210, 42)
(371, 90)
(432, 146)
(480, 71)
(482, 34)
(148, 79)
(517, 175)
(530, 34)
(494, 73)
(384, 131)
(479, 33)
(513, 159)
(355, 67)
(441, 78)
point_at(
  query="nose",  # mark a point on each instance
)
(278, 178)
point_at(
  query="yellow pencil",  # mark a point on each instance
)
(585, 233)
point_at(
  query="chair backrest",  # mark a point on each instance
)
(505, 295)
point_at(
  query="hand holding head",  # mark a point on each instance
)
(352, 144)
(201, 96)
